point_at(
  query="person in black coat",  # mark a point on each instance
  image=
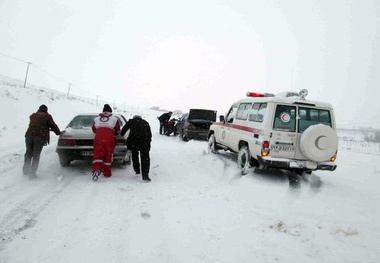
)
(164, 118)
(138, 141)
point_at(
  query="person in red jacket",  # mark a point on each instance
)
(106, 127)
(170, 127)
(36, 137)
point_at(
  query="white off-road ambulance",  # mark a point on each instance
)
(283, 131)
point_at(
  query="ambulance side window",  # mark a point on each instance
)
(261, 112)
(258, 111)
(243, 110)
(231, 114)
(310, 116)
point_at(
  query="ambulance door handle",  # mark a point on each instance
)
(256, 136)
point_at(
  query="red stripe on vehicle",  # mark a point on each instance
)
(238, 127)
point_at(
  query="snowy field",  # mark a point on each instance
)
(198, 208)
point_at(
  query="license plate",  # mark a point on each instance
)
(86, 153)
(282, 148)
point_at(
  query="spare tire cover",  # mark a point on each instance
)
(319, 142)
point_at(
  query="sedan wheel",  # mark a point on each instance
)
(183, 136)
(64, 161)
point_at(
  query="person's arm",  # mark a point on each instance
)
(125, 129)
(93, 127)
(149, 132)
(53, 126)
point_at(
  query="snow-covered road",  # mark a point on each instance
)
(198, 208)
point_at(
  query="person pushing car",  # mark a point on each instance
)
(139, 140)
(37, 136)
(106, 127)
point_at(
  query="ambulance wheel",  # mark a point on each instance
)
(244, 160)
(212, 148)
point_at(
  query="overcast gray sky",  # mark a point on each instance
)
(199, 54)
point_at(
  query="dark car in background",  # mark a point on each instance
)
(76, 141)
(195, 124)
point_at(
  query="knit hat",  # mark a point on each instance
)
(107, 107)
(137, 117)
(43, 108)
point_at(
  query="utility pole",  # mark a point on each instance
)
(26, 75)
(68, 92)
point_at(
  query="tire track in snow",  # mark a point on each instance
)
(9, 161)
(24, 215)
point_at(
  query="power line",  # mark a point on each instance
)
(13, 58)
(45, 72)
(37, 67)
(51, 75)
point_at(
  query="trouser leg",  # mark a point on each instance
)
(161, 127)
(38, 144)
(145, 163)
(108, 159)
(28, 154)
(97, 159)
(135, 161)
(107, 172)
(169, 131)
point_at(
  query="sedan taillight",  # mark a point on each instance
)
(66, 142)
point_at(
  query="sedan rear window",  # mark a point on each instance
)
(82, 121)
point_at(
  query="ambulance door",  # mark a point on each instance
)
(228, 124)
(283, 141)
(309, 116)
(221, 131)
